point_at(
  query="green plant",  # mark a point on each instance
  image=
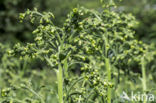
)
(85, 50)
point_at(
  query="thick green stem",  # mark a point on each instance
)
(109, 79)
(143, 76)
(108, 67)
(60, 83)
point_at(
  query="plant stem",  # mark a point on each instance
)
(60, 83)
(107, 66)
(109, 79)
(143, 76)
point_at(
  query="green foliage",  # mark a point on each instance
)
(11, 30)
(144, 11)
(85, 43)
(95, 56)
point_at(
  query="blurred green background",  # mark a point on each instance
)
(11, 30)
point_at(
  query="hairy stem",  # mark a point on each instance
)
(109, 79)
(107, 66)
(143, 76)
(60, 83)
